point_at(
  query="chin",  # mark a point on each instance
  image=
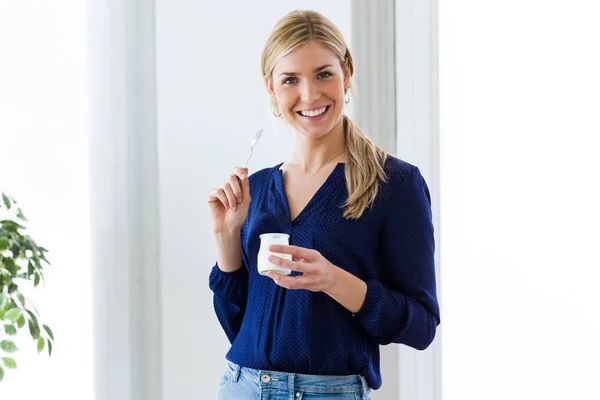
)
(313, 133)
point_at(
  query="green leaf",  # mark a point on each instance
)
(12, 288)
(10, 330)
(9, 362)
(32, 316)
(34, 330)
(21, 298)
(1, 374)
(40, 344)
(8, 346)
(6, 201)
(11, 266)
(16, 250)
(13, 314)
(3, 300)
(4, 243)
(20, 215)
(49, 348)
(43, 257)
(21, 322)
(11, 226)
(48, 331)
(36, 281)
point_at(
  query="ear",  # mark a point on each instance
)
(269, 86)
(347, 77)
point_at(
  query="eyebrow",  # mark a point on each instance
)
(294, 73)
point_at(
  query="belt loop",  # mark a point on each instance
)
(291, 386)
(236, 372)
(364, 385)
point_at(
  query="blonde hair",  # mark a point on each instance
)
(364, 168)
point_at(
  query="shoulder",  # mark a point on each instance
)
(403, 180)
(400, 173)
(262, 177)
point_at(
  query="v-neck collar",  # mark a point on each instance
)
(324, 192)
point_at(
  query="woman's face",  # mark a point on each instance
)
(308, 87)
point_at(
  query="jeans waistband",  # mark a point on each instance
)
(302, 382)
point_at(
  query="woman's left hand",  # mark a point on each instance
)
(317, 271)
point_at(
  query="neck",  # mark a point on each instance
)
(313, 154)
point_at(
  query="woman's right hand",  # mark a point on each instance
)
(229, 203)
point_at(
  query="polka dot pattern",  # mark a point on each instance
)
(391, 247)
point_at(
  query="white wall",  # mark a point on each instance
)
(211, 100)
(417, 122)
(520, 211)
(44, 165)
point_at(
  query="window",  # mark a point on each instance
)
(44, 165)
(519, 138)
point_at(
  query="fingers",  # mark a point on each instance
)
(226, 187)
(218, 195)
(293, 265)
(295, 251)
(234, 183)
(241, 173)
(245, 188)
(239, 184)
(234, 191)
(291, 282)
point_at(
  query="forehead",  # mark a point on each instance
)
(306, 58)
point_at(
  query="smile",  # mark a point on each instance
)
(314, 113)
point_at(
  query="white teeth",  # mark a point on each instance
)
(313, 113)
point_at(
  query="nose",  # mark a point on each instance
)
(309, 92)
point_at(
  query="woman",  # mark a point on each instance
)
(361, 238)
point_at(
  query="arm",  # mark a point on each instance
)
(229, 282)
(229, 300)
(347, 289)
(228, 209)
(229, 250)
(401, 306)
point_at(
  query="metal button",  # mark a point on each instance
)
(297, 394)
(265, 379)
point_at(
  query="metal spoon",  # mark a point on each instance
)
(257, 136)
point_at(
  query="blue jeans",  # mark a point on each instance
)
(241, 383)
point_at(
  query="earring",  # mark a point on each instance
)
(275, 108)
(347, 97)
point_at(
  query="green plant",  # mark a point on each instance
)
(20, 263)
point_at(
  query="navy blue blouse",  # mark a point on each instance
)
(390, 247)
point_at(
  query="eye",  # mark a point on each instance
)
(324, 74)
(289, 81)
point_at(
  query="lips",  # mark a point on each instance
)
(314, 113)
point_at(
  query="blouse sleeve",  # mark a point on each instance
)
(401, 306)
(229, 300)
